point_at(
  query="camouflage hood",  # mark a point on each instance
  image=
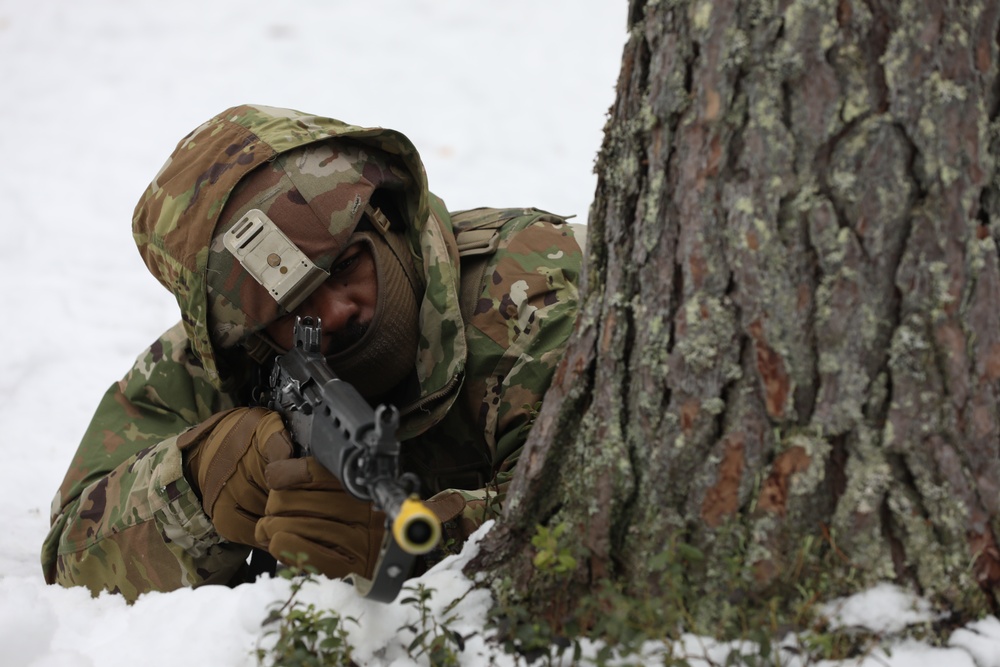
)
(185, 208)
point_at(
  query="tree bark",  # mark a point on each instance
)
(789, 346)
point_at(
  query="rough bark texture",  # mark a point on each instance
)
(791, 333)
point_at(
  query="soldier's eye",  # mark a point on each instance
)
(346, 263)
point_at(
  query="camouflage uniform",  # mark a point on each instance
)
(499, 306)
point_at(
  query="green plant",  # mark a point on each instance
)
(306, 636)
(621, 619)
(432, 638)
(519, 632)
(550, 555)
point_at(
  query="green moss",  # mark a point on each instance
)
(856, 518)
(856, 101)
(652, 227)
(707, 339)
(809, 480)
(701, 15)
(941, 570)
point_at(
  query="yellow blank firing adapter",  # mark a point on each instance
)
(416, 529)
(272, 259)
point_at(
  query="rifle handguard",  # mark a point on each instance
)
(416, 528)
(330, 420)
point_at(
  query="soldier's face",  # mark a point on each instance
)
(344, 303)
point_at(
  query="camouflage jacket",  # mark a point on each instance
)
(499, 306)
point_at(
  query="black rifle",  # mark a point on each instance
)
(330, 420)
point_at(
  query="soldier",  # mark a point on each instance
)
(459, 319)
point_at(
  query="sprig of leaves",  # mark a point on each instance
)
(432, 638)
(306, 636)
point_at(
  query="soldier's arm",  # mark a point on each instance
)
(515, 345)
(125, 519)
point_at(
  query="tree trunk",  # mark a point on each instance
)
(786, 367)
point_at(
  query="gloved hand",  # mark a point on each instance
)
(225, 458)
(462, 512)
(308, 511)
(240, 463)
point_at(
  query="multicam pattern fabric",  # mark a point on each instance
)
(126, 520)
(324, 187)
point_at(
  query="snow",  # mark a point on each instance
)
(885, 609)
(505, 100)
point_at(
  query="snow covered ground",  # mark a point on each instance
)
(505, 100)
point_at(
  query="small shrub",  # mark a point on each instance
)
(433, 639)
(306, 636)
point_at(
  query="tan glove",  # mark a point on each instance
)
(225, 458)
(240, 463)
(463, 512)
(308, 511)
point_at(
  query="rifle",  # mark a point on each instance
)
(329, 419)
